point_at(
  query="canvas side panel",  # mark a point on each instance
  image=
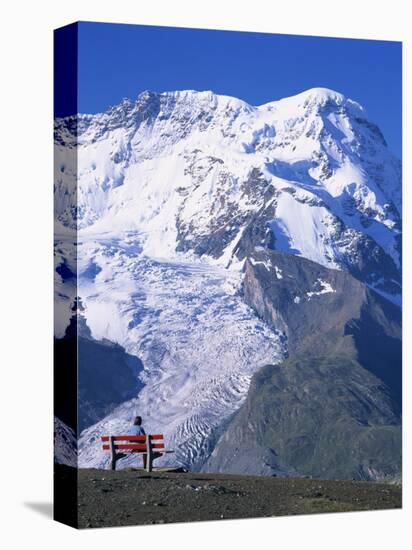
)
(65, 274)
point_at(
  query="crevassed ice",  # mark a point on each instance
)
(199, 342)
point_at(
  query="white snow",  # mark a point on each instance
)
(304, 230)
(266, 264)
(323, 287)
(278, 272)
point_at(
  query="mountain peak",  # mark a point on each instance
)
(316, 99)
(322, 95)
(201, 98)
(326, 96)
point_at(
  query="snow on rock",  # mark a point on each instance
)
(65, 282)
(322, 287)
(65, 444)
(278, 272)
(266, 264)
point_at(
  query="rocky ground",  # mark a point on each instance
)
(133, 497)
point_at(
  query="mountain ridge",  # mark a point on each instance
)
(315, 95)
(206, 159)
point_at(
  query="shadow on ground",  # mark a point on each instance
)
(45, 509)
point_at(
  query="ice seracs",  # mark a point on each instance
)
(199, 343)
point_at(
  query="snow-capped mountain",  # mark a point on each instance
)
(169, 195)
(65, 444)
(191, 170)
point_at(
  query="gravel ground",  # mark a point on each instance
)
(134, 497)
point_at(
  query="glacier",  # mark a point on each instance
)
(198, 341)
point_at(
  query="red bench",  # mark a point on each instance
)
(151, 446)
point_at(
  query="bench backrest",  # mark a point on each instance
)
(133, 443)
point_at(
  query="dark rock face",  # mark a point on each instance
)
(227, 220)
(301, 296)
(98, 374)
(324, 417)
(332, 409)
(369, 262)
(108, 376)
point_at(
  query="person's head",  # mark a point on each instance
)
(138, 421)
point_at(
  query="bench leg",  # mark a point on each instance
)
(113, 453)
(149, 457)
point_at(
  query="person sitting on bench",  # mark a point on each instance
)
(137, 429)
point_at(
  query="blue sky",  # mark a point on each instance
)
(117, 61)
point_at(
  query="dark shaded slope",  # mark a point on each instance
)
(99, 374)
(108, 376)
(322, 417)
(65, 377)
(325, 311)
(332, 408)
(377, 340)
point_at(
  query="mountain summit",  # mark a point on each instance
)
(188, 169)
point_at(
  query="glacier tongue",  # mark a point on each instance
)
(199, 342)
